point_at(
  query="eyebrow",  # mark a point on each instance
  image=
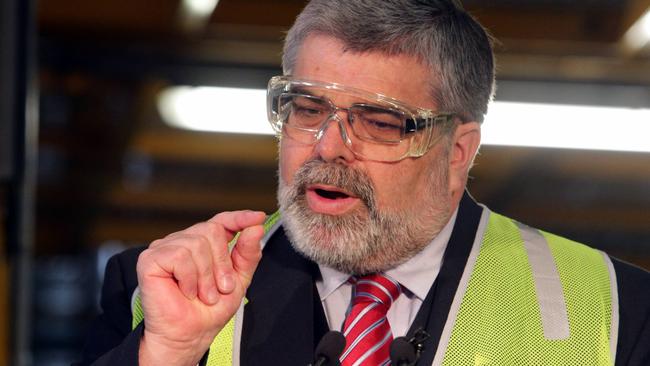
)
(303, 90)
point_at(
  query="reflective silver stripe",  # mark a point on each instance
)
(134, 298)
(445, 337)
(239, 315)
(236, 337)
(548, 287)
(613, 285)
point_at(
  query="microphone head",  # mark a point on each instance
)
(402, 352)
(330, 347)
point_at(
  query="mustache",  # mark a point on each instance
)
(350, 179)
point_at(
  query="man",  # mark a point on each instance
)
(379, 117)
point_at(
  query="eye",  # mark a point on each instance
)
(306, 107)
(382, 125)
(306, 111)
(378, 123)
(379, 120)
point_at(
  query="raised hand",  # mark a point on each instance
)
(191, 285)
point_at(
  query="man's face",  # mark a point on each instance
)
(355, 215)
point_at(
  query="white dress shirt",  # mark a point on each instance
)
(416, 276)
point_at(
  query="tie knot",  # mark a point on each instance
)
(376, 288)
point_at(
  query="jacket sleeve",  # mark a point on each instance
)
(110, 340)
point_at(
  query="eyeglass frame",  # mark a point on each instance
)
(424, 120)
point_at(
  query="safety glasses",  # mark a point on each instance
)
(375, 127)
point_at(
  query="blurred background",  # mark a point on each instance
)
(92, 158)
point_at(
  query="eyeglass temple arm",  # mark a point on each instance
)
(418, 124)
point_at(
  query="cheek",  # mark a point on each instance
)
(291, 158)
(393, 185)
(401, 186)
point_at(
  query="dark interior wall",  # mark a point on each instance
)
(6, 156)
(18, 149)
(7, 97)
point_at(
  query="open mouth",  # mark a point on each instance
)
(330, 200)
(332, 195)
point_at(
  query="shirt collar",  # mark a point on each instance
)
(331, 280)
(417, 274)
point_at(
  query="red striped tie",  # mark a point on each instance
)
(366, 328)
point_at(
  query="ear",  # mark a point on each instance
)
(465, 144)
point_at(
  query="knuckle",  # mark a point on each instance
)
(181, 254)
(220, 216)
(204, 244)
(191, 242)
(225, 217)
(214, 229)
(156, 243)
(197, 244)
(143, 259)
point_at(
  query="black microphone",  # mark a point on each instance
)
(329, 349)
(406, 351)
(402, 352)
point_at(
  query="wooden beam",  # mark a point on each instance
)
(575, 68)
(258, 12)
(558, 23)
(206, 147)
(120, 16)
(191, 199)
(551, 214)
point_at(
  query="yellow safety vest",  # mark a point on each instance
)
(526, 297)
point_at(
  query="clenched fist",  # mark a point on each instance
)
(191, 285)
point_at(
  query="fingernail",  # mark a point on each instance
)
(226, 283)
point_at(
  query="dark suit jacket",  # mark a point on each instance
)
(284, 319)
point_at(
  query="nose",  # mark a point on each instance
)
(332, 145)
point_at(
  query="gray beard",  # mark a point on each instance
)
(366, 240)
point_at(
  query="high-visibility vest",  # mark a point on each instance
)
(526, 297)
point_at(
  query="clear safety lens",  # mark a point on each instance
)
(376, 127)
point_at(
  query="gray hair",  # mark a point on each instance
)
(438, 33)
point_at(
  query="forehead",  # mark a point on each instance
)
(401, 77)
(340, 93)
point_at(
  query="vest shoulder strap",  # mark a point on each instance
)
(532, 296)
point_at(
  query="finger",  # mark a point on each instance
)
(235, 221)
(222, 264)
(247, 253)
(173, 262)
(201, 249)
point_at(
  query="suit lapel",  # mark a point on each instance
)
(283, 318)
(435, 308)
